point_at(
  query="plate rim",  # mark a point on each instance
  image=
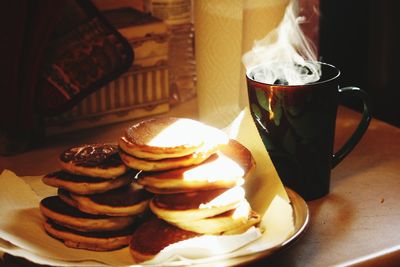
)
(301, 216)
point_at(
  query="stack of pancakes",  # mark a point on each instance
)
(97, 206)
(188, 174)
(196, 174)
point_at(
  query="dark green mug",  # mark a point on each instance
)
(297, 126)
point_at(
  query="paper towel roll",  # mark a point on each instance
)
(224, 31)
(218, 40)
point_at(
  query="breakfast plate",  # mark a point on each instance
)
(22, 235)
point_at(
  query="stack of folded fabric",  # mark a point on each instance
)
(196, 173)
(97, 206)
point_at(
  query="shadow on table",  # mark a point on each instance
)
(313, 243)
(377, 148)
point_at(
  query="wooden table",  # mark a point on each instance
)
(357, 224)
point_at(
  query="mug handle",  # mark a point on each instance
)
(361, 128)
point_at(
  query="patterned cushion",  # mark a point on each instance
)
(84, 54)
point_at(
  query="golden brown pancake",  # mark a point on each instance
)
(169, 163)
(227, 168)
(124, 201)
(97, 241)
(196, 205)
(165, 138)
(154, 235)
(241, 217)
(58, 211)
(86, 185)
(93, 160)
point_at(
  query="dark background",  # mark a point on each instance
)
(362, 38)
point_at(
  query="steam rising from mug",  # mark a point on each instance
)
(284, 56)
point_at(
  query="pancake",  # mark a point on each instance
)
(124, 201)
(97, 241)
(196, 205)
(93, 160)
(153, 236)
(238, 218)
(227, 168)
(168, 137)
(86, 185)
(253, 220)
(170, 163)
(58, 211)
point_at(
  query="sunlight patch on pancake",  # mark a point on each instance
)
(221, 168)
(242, 211)
(236, 192)
(187, 132)
(178, 131)
(238, 219)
